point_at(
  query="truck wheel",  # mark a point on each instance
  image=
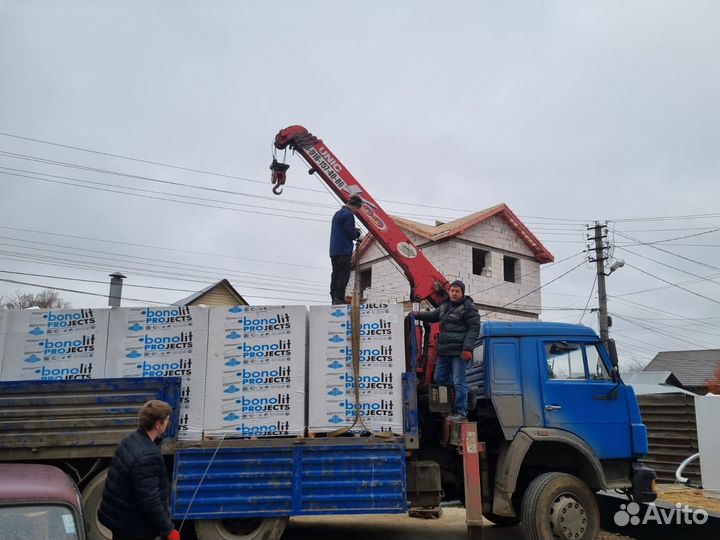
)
(502, 521)
(91, 496)
(558, 505)
(241, 528)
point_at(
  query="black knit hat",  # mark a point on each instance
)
(355, 200)
(459, 284)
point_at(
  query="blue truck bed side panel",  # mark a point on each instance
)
(293, 480)
(76, 418)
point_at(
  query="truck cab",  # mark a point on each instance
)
(548, 400)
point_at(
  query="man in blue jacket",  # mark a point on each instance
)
(342, 235)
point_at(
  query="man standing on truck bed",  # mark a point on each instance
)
(459, 329)
(342, 235)
(135, 500)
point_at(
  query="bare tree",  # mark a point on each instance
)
(46, 298)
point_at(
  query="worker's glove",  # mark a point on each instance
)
(173, 535)
(467, 356)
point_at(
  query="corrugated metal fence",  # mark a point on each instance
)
(672, 434)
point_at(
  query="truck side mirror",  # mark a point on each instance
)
(612, 351)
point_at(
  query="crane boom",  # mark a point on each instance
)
(426, 282)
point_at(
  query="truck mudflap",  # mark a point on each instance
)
(256, 478)
(643, 483)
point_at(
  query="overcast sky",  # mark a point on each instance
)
(569, 112)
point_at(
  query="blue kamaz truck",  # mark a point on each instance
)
(550, 424)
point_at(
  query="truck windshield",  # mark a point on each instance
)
(37, 522)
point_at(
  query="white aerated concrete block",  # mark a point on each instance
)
(49, 344)
(332, 402)
(256, 371)
(163, 342)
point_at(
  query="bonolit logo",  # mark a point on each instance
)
(680, 514)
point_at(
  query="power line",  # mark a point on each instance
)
(673, 284)
(131, 194)
(156, 262)
(650, 329)
(650, 244)
(77, 291)
(702, 278)
(245, 179)
(150, 246)
(592, 290)
(652, 309)
(537, 289)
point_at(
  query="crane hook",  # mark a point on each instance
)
(277, 176)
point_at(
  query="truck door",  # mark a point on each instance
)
(579, 396)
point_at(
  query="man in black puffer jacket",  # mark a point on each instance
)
(459, 329)
(135, 500)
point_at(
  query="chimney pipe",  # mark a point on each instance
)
(115, 295)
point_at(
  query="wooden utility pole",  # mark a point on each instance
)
(600, 258)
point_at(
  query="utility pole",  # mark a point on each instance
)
(600, 258)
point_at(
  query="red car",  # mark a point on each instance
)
(38, 502)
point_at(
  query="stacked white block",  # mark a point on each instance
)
(163, 342)
(332, 402)
(49, 344)
(256, 371)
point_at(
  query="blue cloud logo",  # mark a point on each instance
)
(230, 417)
(336, 339)
(233, 335)
(235, 309)
(134, 354)
(32, 359)
(338, 313)
(232, 362)
(136, 327)
(336, 365)
(37, 331)
(335, 419)
(335, 392)
(232, 389)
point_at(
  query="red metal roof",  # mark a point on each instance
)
(25, 482)
(459, 226)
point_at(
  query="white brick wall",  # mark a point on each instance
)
(453, 258)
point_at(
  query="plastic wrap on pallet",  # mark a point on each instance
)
(55, 344)
(163, 342)
(256, 371)
(382, 361)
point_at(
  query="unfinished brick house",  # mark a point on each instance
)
(492, 251)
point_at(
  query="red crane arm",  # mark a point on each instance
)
(426, 282)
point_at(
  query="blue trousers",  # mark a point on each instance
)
(450, 371)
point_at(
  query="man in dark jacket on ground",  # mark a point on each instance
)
(342, 235)
(459, 329)
(135, 500)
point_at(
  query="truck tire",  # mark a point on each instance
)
(502, 521)
(559, 505)
(241, 528)
(91, 496)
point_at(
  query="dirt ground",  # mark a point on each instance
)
(694, 498)
(451, 526)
